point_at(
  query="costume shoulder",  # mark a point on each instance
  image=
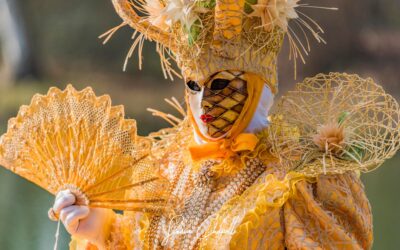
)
(334, 123)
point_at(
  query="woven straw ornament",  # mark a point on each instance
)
(335, 123)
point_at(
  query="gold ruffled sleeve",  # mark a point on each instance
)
(329, 212)
(333, 213)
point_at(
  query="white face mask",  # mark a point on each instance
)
(194, 99)
(218, 103)
(258, 122)
(260, 116)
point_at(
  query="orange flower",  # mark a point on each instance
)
(330, 137)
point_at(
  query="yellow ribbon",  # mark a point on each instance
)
(223, 148)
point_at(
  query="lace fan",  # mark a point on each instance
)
(74, 140)
(335, 123)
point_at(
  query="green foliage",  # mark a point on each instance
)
(343, 116)
(194, 32)
(206, 4)
(354, 153)
(247, 6)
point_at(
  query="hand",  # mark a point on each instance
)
(83, 222)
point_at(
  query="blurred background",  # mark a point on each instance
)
(47, 43)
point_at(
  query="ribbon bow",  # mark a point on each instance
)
(224, 148)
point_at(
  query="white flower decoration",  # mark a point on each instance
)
(156, 17)
(183, 11)
(275, 13)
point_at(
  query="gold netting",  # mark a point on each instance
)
(337, 122)
(74, 140)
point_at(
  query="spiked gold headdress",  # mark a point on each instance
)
(208, 36)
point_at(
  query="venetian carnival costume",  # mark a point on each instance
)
(239, 178)
(234, 193)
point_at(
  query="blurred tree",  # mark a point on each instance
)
(17, 56)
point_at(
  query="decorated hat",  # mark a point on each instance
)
(208, 36)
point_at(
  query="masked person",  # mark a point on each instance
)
(231, 192)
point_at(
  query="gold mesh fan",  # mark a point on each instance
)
(74, 140)
(335, 123)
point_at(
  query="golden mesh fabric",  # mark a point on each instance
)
(333, 213)
(338, 122)
(75, 140)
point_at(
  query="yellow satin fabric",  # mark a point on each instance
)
(223, 148)
(235, 222)
(328, 212)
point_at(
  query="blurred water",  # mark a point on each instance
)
(23, 214)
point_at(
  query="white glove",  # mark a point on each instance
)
(91, 224)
